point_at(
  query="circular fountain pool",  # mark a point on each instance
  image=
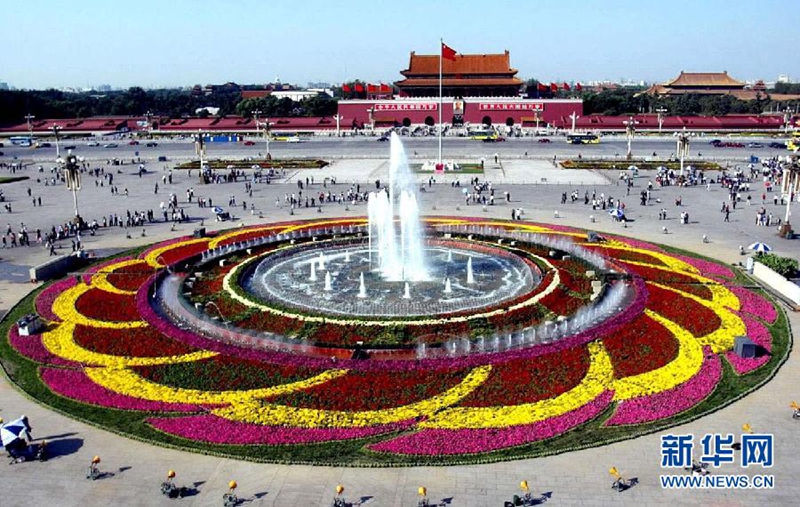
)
(328, 281)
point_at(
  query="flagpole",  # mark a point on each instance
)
(441, 128)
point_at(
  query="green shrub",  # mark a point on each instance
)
(784, 266)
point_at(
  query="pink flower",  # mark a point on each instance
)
(437, 442)
(674, 401)
(33, 348)
(74, 384)
(217, 430)
(755, 304)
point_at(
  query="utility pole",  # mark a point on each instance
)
(338, 119)
(55, 129)
(574, 117)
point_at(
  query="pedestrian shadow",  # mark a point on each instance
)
(63, 447)
(363, 500)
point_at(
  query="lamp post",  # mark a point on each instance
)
(148, 118)
(630, 131)
(30, 117)
(660, 112)
(338, 119)
(787, 119)
(574, 117)
(55, 129)
(200, 150)
(265, 124)
(683, 146)
(790, 186)
(72, 176)
(255, 114)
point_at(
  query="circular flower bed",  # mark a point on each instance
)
(115, 356)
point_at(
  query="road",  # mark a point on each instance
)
(416, 147)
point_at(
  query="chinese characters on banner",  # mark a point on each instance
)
(529, 106)
(429, 106)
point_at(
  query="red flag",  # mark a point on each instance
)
(553, 87)
(566, 86)
(359, 88)
(346, 88)
(371, 88)
(578, 86)
(541, 87)
(385, 88)
(448, 53)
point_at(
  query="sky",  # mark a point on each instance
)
(155, 43)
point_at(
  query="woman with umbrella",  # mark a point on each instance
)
(15, 437)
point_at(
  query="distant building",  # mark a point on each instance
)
(488, 75)
(3, 85)
(714, 83)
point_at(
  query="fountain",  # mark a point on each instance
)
(347, 255)
(328, 286)
(399, 258)
(362, 288)
(313, 277)
(448, 288)
(321, 260)
(470, 274)
(407, 292)
(449, 256)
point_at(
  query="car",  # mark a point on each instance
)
(715, 142)
(92, 143)
(44, 145)
(755, 145)
(382, 139)
(70, 147)
(293, 139)
(249, 143)
(2, 145)
(776, 144)
(162, 158)
(133, 143)
(111, 145)
(1, 153)
(544, 140)
(151, 144)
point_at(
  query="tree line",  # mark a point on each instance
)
(176, 103)
(135, 101)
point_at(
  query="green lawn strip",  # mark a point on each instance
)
(622, 164)
(12, 179)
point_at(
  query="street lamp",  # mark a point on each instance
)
(660, 112)
(787, 119)
(790, 187)
(630, 131)
(338, 119)
(683, 146)
(255, 114)
(55, 128)
(148, 118)
(30, 117)
(265, 124)
(72, 175)
(200, 150)
(572, 117)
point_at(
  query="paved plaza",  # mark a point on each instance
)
(135, 469)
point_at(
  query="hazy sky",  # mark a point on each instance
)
(52, 43)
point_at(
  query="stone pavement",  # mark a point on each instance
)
(579, 478)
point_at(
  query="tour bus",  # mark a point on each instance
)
(22, 140)
(290, 137)
(583, 139)
(483, 135)
(793, 144)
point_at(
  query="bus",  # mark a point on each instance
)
(583, 139)
(483, 135)
(793, 143)
(290, 137)
(22, 140)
